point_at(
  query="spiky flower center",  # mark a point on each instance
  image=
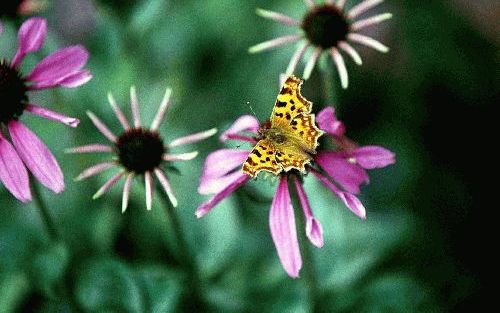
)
(325, 26)
(10, 7)
(140, 150)
(13, 93)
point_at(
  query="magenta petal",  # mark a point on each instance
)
(76, 79)
(283, 230)
(51, 115)
(13, 174)
(244, 123)
(371, 157)
(210, 204)
(328, 122)
(350, 200)
(349, 175)
(217, 165)
(58, 66)
(31, 38)
(37, 157)
(314, 231)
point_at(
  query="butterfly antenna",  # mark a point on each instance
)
(251, 109)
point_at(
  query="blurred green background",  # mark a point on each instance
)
(427, 100)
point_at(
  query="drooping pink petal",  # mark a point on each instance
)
(273, 43)
(368, 41)
(314, 231)
(126, 191)
(370, 21)
(350, 200)
(349, 175)
(297, 56)
(93, 148)
(193, 138)
(51, 115)
(217, 166)
(166, 186)
(327, 121)
(37, 157)
(340, 64)
(370, 157)
(245, 123)
(210, 204)
(283, 230)
(31, 35)
(110, 183)
(58, 66)
(310, 3)
(94, 170)
(76, 79)
(362, 7)
(13, 174)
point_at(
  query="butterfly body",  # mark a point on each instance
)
(290, 139)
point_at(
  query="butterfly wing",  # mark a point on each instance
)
(262, 158)
(306, 132)
(289, 103)
(292, 157)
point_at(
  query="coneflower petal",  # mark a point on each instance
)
(193, 138)
(53, 116)
(166, 186)
(270, 44)
(312, 63)
(134, 103)
(118, 112)
(340, 3)
(278, 17)
(370, 21)
(351, 52)
(148, 180)
(126, 191)
(101, 127)
(110, 183)
(310, 3)
(369, 42)
(297, 56)
(362, 7)
(94, 170)
(340, 64)
(93, 148)
(180, 157)
(160, 115)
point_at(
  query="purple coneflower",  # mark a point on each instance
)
(327, 27)
(138, 151)
(60, 69)
(342, 171)
(19, 7)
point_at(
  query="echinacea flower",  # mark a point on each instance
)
(328, 27)
(60, 69)
(342, 171)
(19, 7)
(138, 151)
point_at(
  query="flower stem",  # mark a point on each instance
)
(329, 86)
(192, 302)
(44, 213)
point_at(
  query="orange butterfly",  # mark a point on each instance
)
(290, 139)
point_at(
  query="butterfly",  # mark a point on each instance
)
(290, 139)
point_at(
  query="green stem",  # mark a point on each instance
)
(329, 87)
(45, 214)
(192, 302)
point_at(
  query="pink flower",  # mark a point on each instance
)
(138, 151)
(64, 68)
(327, 27)
(342, 171)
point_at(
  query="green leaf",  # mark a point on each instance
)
(49, 266)
(108, 285)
